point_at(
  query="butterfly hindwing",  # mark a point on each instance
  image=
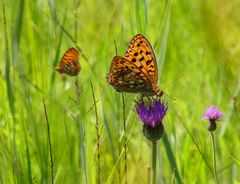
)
(126, 76)
(69, 63)
(140, 53)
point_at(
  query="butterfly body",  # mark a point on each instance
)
(69, 63)
(136, 72)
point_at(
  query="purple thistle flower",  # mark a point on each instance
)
(212, 114)
(151, 114)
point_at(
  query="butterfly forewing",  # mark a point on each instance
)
(69, 63)
(140, 53)
(126, 76)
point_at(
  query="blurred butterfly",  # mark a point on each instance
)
(136, 71)
(69, 63)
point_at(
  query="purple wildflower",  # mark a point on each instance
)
(151, 114)
(212, 114)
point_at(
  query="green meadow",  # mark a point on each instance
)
(62, 129)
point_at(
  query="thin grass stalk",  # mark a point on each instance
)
(108, 132)
(9, 90)
(75, 5)
(51, 5)
(98, 137)
(16, 32)
(146, 14)
(119, 166)
(114, 168)
(214, 158)
(56, 58)
(82, 155)
(125, 138)
(163, 47)
(7, 65)
(78, 90)
(158, 34)
(28, 157)
(29, 170)
(119, 148)
(49, 141)
(138, 15)
(154, 161)
(36, 138)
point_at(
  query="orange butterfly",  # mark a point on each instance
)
(136, 71)
(69, 63)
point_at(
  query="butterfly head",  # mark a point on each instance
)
(59, 69)
(157, 91)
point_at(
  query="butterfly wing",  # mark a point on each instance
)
(141, 53)
(128, 77)
(69, 63)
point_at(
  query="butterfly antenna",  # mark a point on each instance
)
(171, 83)
(170, 97)
(175, 80)
(115, 47)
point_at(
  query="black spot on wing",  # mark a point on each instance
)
(135, 54)
(150, 72)
(141, 59)
(149, 62)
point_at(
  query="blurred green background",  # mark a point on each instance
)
(197, 45)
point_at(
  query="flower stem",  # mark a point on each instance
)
(154, 161)
(214, 158)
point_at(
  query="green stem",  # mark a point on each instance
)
(154, 161)
(214, 158)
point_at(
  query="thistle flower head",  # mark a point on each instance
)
(151, 113)
(212, 114)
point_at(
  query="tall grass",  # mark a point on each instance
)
(197, 48)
